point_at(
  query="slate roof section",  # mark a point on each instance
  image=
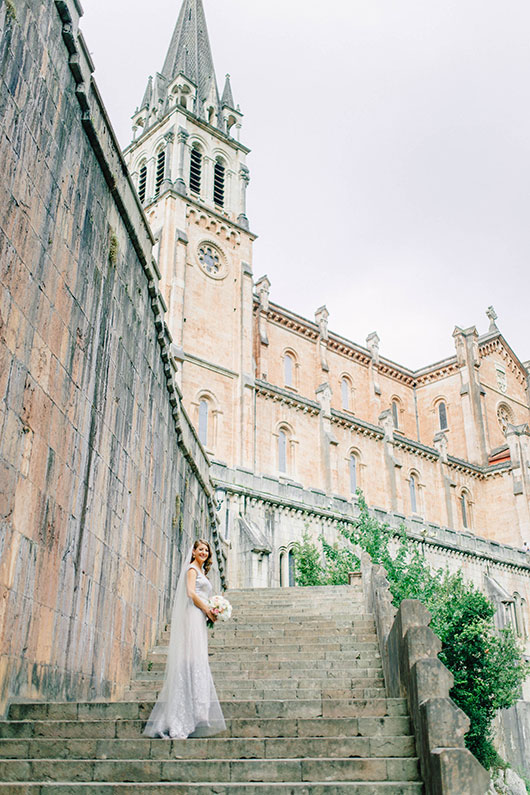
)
(190, 52)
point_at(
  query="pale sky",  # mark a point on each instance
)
(390, 163)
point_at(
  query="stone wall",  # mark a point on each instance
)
(103, 482)
(512, 735)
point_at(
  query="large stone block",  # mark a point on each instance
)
(456, 770)
(443, 724)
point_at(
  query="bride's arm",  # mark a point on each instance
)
(191, 579)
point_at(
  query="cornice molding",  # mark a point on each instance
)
(362, 427)
(285, 397)
(437, 371)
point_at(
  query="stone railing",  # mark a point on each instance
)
(409, 652)
(318, 505)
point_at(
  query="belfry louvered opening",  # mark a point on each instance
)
(160, 170)
(142, 182)
(219, 184)
(195, 170)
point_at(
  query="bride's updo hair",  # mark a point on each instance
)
(209, 560)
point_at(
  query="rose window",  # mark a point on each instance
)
(210, 260)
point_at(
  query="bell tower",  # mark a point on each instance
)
(189, 168)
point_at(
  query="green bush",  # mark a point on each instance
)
(307, 562)
(487, 665)
(329, 565)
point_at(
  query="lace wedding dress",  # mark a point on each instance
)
(187, 704)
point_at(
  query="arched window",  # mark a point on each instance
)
(282, 577)
(413, 487)
(160, 170)
(465, 509)
(288, 369)
(504, 416)
(195, 169)
(292, 579)
(142, 182)
(395, 413)
(282, 451)
(345, 388)
(442, 415)
(219, 183)
(353, 473)
(203, 421)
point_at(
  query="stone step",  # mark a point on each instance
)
(276, 629)
(297, 598)
(266, 708)
(355, 603)
(155, 678)
(232, 629)
(288, 619)
(311, 613)
(124, 728)
(326, 593)
(266, 667)
(313, 652)
(334, 589)
(297, 595)
(151, 693)
(291, 643)
(211, 748)
(298, 625)
(280, 626)
(226, 788)
(295, 658)
(254, 614)
(278, 668)
(227, 633)
(292, 667)
(211, 770)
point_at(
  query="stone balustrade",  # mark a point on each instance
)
(409, 652)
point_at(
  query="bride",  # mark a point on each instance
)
(188, 704)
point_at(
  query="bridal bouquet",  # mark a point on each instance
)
(221, 607)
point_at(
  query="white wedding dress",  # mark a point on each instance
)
(187, 704)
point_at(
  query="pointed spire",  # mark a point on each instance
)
(227, 99)
(189, 55)
(146, 101)
(189, 51)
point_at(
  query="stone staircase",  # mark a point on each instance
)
(300, 682)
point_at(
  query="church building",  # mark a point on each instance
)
(295, 418)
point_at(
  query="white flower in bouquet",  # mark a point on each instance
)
(221, 607)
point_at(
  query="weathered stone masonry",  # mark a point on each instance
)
(102, 479)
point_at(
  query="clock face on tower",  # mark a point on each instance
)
(211, 260)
